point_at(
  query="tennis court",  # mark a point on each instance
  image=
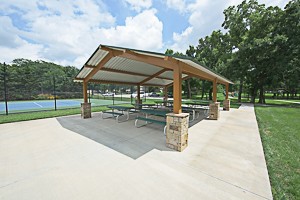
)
(35, 105)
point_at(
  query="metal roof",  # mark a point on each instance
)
(110, 64)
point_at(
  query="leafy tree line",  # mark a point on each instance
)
(26, 79)
(259, 51)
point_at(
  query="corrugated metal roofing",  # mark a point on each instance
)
(128, 65)
(120, 69)
(111, 76)
(95, 59)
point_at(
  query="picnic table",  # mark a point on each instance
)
(149, 115)
(123, 110)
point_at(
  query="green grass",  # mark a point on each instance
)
(43, 114)
(280, 132)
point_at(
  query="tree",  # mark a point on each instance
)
(28, 79)
(289, 26)
(255, 39)
(213, 51)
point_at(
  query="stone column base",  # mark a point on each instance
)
(177, 131)
(86, 111)
(214, 112)
(226, 104)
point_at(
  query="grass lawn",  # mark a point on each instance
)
(43, 114)
(280, 132)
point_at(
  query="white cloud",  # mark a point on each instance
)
(179, 5)
(26, 50)
(138, 5)
(144, 31)
(68, 32)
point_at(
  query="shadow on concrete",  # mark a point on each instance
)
(122, 137)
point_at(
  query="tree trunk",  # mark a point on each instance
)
(202, 95)
(253, 95)
(240, 90)
(210, 93)
(261, 99)
(189, 94)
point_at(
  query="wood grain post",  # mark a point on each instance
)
(177, 88)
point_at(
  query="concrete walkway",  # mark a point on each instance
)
(72, 158)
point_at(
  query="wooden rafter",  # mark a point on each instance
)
(144, 58)
(127, 72)
(99, 66)
(89, 66)
(153, 76)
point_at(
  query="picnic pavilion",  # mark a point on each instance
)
(124, 66)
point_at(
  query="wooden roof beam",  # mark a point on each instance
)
(121, 83)
(159, 62)
(99, 66)
(153, 76)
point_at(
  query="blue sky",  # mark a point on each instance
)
(68, 31)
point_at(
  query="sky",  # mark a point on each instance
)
(67, 32)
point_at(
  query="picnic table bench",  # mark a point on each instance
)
(148, 119)
(125, 110)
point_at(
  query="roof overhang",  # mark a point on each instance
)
(117, 65)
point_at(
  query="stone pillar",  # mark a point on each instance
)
(86, 111)
(177, 131)
(226, 104)
(214, 111)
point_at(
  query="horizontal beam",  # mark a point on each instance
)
(117, 82)
(126, 72)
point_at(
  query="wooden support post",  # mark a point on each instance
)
(215, 90)
(177, 88)
(227, 90)
(85, 94)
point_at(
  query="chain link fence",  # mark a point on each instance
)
(24, 90)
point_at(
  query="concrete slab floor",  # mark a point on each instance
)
(74, 158)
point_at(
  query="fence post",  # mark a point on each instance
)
(5, 90)
(131, 95)
(54, 93)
